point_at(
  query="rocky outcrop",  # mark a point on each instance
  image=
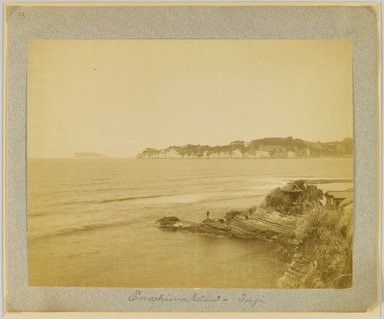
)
(315, 240)
(207, 226)
(275, 218)
(253, 223)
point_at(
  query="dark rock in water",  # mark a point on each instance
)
(171, 219)
(208, 226)
(168, 223)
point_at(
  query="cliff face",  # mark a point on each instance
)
(315, 240)
(260, 148)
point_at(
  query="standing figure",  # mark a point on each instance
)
(207, 214)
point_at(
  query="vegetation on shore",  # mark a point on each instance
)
(321, 256)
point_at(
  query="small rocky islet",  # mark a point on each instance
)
(313, 229)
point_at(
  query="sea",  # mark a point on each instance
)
(92, 222)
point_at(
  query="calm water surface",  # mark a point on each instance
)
(92, 222)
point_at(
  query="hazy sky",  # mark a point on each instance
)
(118, 97)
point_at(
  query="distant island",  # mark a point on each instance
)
(88, 155)
(272, 147)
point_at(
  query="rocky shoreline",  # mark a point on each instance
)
(311, 229)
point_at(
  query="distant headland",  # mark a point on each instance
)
(87, 155)
(272, 147)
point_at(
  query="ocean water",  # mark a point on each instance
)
(91, 222)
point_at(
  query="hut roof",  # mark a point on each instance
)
(346, 202)
(348, 194)
(291, 188)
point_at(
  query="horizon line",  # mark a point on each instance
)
(106, 156)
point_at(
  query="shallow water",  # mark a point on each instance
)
(91, 222)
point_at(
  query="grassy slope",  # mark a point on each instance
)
(323, 256)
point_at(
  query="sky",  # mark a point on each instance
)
(117, 97)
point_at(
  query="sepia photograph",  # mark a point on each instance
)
(190, 163)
